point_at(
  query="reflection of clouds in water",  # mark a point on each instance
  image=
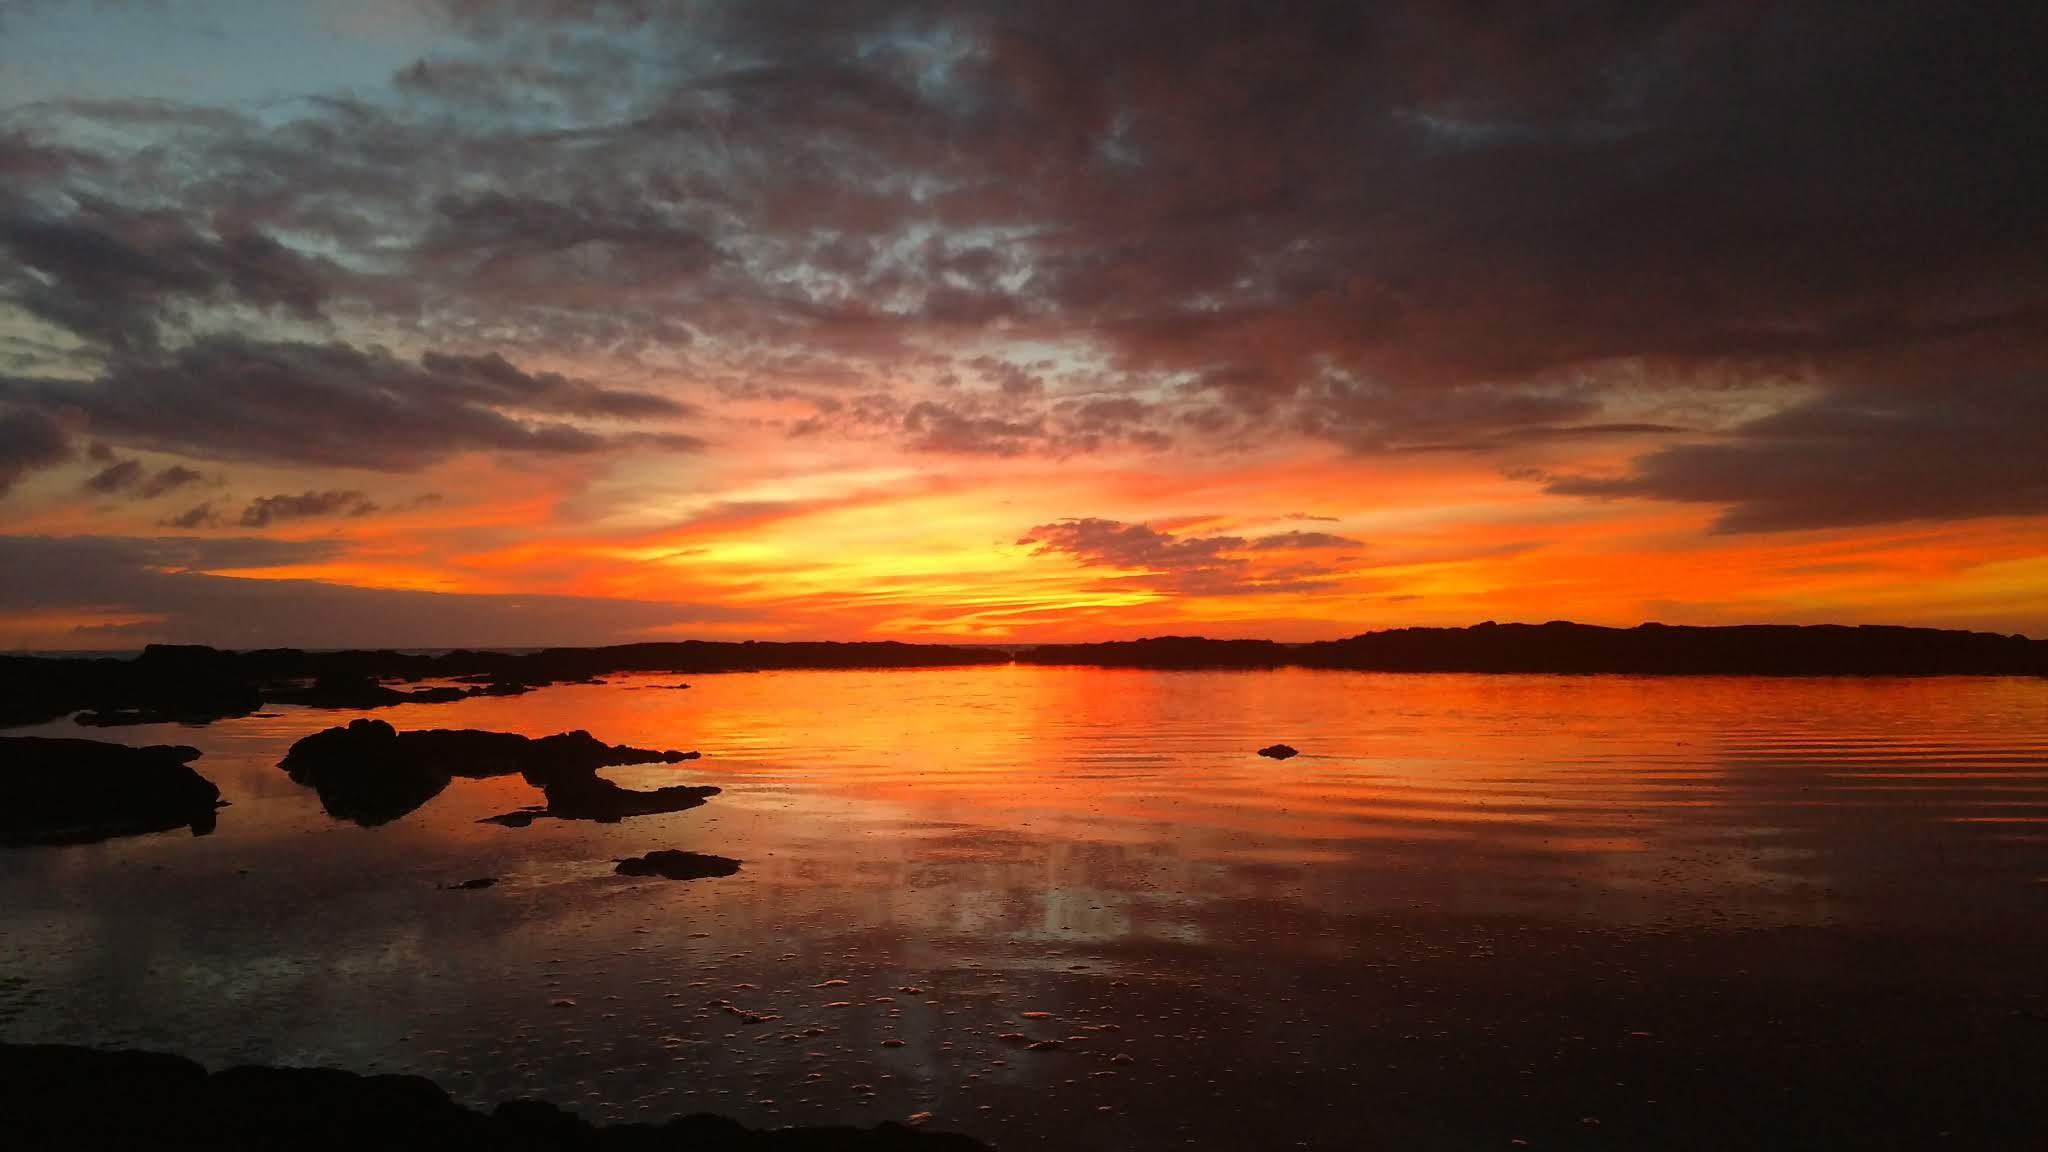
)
(1102, 846)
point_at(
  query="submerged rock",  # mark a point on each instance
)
(56, 1096)
(60, 791)
(371, 773)
(675, 865)
(1277, 752)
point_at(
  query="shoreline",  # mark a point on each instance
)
(194, 684)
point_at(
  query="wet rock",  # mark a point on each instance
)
(57, 1096)
(363, 774)
(1277, 752)
(62, 791)
(371, 773)
(673, 865)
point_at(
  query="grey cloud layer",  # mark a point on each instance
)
(1192, 565)
(165, 582)
(1427, 225)
(335, 405)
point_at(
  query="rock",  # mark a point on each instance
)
(1277, 751)
(360, 692)
(61, 791)
(371, 773)
(362, 772)
(475, 885)
(674, 865)
(55, 1096)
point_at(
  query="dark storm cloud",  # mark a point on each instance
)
(1899, 451)
(1432, 225)
(113, 276)
(197, 516)
(131, 478)
(1443, 203)
(266, 510)
(1190, 565)
(29, 440)
(166, 582)
(335, 405)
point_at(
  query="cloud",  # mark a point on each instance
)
(265, 510)
(129, 476)
(1880, 453)
(29, 441)
(337, 405)
(114, 276)
(1393, 227)
(1188, 565)
(1303, 540)
(936, 427)
(197, 516)
(165, 583)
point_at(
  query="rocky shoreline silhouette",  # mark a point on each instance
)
(62, 1096)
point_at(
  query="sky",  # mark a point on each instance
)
(437, 322)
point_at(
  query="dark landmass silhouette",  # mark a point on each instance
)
(1279, 751)
(671, 864)
(58, 1096)
(195, 685)
(371, 773)
(1559, 646)
(58, 791)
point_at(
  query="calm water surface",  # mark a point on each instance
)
(1476, 909)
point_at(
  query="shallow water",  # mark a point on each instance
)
(1567, 910)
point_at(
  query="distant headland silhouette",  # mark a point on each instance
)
(196, 684)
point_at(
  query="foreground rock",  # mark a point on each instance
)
(673, 865)
(1278, 751)
(371, 773)
(55, 791)
(54, 1096)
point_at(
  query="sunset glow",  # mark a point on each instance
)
(564, 325)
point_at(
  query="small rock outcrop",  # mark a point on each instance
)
(371, 773)
(62, 791)
(671, 864)
(1278, 751)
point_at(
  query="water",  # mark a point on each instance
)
(1475, 909)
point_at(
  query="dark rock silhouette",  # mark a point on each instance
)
(56, 1096)
(476, 885)
(673, 865)
(1278, 751)
(371, 773)
(56, 791)
(359, 692)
